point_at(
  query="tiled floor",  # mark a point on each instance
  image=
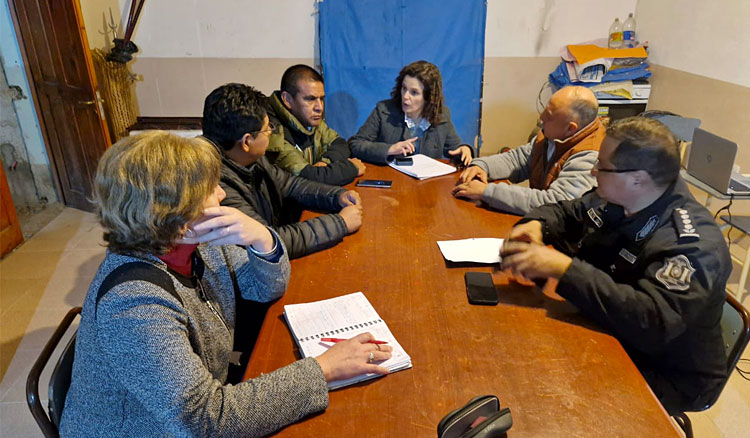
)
(50, 273)
(35, 218)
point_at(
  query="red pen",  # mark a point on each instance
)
(334, 340)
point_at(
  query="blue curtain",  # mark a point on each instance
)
(365, 43)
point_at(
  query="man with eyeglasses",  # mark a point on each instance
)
(235, 120)
(236, 123)
(304, 144)
(557, 162)
(641, 257)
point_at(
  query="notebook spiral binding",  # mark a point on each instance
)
(340, 330)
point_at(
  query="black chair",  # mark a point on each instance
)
(59, 380)
(742, 224)
(735, 330)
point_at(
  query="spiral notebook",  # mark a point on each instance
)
(341, 317)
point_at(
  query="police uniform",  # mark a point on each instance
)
(656, 279)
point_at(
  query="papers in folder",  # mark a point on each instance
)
(478, 250)
(341, 317)
(424, 167)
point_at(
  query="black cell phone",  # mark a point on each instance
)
(404, 161)
(480, 289)
(380, 183)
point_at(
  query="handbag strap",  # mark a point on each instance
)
(135, 271)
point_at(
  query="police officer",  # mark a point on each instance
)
(640, 256)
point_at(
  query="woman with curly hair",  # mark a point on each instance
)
(413, 121)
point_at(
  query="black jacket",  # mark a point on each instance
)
(656, 279)
(275, 197)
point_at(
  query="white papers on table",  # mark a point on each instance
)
(424, 167)
(478, 250)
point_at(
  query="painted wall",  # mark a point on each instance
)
(102, 20)
(699, 37)
(523, 42)
(189, 49)
(702, 69)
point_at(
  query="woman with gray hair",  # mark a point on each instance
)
(157, 326)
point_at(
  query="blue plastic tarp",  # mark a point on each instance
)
(365, 43)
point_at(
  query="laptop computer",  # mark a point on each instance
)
(711, 161)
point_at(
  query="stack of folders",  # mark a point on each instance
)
(341, 317)
(424, 167)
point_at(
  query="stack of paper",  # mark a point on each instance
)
(478, 250)
(424, 167)
(341, 317)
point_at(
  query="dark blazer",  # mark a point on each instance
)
(386, 126)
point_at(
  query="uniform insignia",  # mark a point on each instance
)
(684, 223)
(676, 273)
(627, 255)
(595, 217)
(647, 228)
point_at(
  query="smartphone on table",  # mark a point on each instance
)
(480, 289)
(379, 183)
(404, 161)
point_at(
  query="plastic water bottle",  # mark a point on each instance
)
(628, 32)
(615, 35)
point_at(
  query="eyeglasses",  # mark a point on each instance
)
(599, 169)
(271, 128)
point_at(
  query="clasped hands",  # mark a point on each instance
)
(471, 183)
(525, 255)
(356, 162)
(351, 210)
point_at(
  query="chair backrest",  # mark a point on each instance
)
(735, 330)
(59, 382)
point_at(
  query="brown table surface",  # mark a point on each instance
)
(561, 375)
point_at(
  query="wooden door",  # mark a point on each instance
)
(10, 229)
(61, 73)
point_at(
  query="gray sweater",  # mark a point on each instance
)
(574, 180)
(147, 366)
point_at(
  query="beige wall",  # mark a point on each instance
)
(96, 18)
(723, 107)
(178, 86)
(511, 87)
(187, 48)
(707, 38)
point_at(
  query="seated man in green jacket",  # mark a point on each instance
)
(304, 144)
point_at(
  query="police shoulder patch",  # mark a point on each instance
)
(676, 273)
(684, 224)
(595, 218)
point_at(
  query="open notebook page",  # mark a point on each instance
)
(341, 317)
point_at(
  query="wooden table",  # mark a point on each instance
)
(560, 375)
